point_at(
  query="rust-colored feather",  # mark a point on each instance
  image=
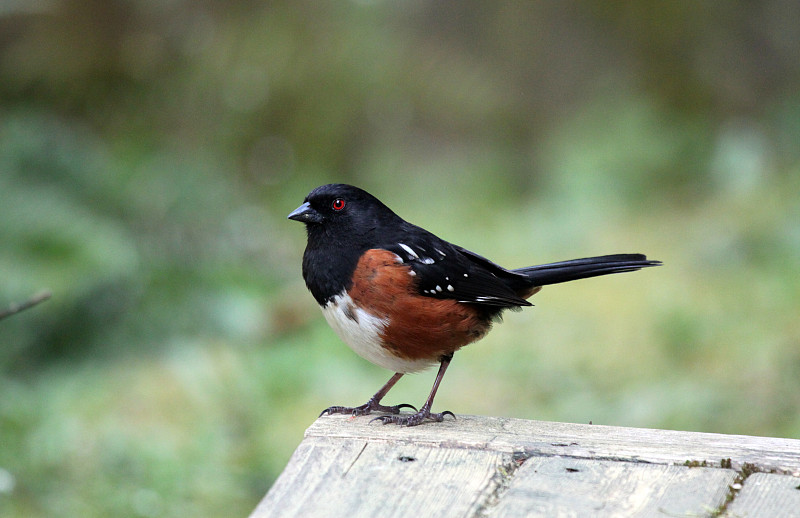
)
(419, 327)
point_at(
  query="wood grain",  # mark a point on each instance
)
(577, 440)
(553, 486)
(488, 466)
(362, 478)
(766, 495)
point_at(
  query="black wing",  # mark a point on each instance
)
(447, 271)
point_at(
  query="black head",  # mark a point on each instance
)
(342, 222)
(344, 208)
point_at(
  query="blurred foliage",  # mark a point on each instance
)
(149, 152)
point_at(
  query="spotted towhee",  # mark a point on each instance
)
(405, 299)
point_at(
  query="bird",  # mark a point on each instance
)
(405, 299)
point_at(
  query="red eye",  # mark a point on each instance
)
(338, 204)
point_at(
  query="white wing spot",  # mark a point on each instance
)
(412, 273)
(427, 260)
(466, 275)
(440, 252)
(438, 288)
(411, 253)
(450, 287)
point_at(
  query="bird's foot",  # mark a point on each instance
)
(414, 419)
(366, 409)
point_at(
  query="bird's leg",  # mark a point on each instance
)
(374, 402)
(425, 411)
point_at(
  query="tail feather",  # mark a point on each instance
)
(563, 271)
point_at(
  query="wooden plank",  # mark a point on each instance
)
(766, 495)
(485, 466)
(347, 477)
(542, 438)
(552, 486)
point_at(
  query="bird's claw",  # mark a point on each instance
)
(366, 409)
(413, 419)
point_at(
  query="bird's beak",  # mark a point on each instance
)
(305, 214)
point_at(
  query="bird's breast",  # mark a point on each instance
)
(364, 332)
(384, 318)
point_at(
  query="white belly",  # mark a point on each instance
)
(362, 331)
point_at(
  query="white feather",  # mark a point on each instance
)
(411, 253)
(361, 331)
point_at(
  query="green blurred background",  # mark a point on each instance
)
(150, 151)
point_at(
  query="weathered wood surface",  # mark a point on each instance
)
(485, 466)
(766, 495)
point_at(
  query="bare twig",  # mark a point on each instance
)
(16, 308)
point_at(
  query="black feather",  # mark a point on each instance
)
(564, 271)
(337, 238)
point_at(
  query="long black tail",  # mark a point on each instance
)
(564, 271)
